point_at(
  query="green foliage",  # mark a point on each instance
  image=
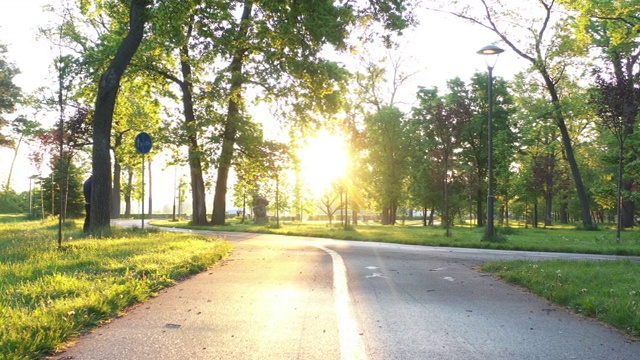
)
(386, 138)
(48, 295)
(12, 203)
(606, 290)
(9, 92)
(73, 180)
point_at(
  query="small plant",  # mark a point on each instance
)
(496, 238)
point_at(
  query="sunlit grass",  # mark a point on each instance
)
(48, 294)
(606, 290)
(560, 238)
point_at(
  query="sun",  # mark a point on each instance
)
(323, 160)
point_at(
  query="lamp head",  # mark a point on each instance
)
(490, 53)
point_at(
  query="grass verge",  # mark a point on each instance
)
(49, 295)
(552, 239)
(606, 290)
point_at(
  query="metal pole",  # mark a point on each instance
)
(142, 212)
(620, 184)
(175, 176)
(61, 161)
(490, 228)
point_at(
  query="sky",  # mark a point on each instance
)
(439, 49)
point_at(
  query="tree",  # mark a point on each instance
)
(549, 56)
(9, 92)
(179, 30)
(73, 198)
(24, 128)
(102, 122)
(611, 27)
(612, 100)
(328, 203)
(388, 159)
(296, 32)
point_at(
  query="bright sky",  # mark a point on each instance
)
(439, 49)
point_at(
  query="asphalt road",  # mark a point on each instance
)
(282, 297)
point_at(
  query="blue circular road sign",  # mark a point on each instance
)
(143, 143)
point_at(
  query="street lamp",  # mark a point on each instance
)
(490, 53)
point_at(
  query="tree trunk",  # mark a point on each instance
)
(198, 205)
(13, 162)
(127, 195)
(431, 215)
(626, 79)
(548, 204)
(564, 211)
(233, 118)
(384, 216)
(479, 209)
(117, 174)
(568, 149)
(103, 118)
(115, 192)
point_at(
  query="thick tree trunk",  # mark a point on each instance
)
(103, 118)
(233, 118)
(198, 205)
(385, 216)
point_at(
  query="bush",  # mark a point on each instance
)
(11, 203)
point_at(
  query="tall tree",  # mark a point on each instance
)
(611, 27)
(181, 50)
(388, 159)
(9, 92)
(549, 56)
(103, 118)
(24, 129)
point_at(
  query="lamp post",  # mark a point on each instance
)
(490, 53)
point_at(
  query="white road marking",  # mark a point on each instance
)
(372, 267)
(449, 278)
(376, 275)
(351, 344)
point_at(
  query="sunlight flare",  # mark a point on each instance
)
(324, 160)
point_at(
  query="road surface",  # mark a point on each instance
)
(280, 297)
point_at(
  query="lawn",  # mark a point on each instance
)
(49, 294)
(606, 290)
(561, 238)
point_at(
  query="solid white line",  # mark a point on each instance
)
(351, 344)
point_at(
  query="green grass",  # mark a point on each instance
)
(608, 291)
(553, 239)
(49, 295)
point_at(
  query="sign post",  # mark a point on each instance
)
(143, 145)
